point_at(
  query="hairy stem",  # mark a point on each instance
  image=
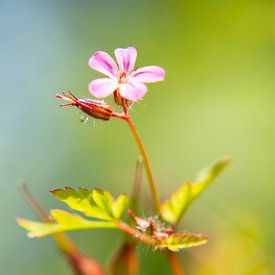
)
(147, 165)
(136, 234)
(174, 263)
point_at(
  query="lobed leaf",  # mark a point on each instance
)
(173, 209)
(119, 205)
(208, 175)
(177, 241)
(98, 204)
(62, 221)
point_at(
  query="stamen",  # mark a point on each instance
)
(123, 77)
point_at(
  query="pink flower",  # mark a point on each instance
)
(121, 76)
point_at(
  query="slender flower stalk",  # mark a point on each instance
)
(147, 165)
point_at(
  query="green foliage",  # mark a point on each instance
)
(177, 241)
(98, 204)
(119, 205)
(173, 209)
(62, 221)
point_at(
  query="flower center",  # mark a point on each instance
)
(122, 77)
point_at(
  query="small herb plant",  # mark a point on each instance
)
(98, 208)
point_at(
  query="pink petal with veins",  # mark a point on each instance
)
(132, 90)
(104, 63)
(126, 58)
(148, 74)
(102, 87)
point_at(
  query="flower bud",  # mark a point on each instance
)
(119, 100)
(95, 108)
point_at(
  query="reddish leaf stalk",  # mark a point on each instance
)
(174, 263)
(136, 234)
(125, 260)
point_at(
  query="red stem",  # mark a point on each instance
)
(174, 263)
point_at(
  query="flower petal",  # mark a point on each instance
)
(148, 74)
(126, 58)
(102, 87)
(132, 90)
(104, 63)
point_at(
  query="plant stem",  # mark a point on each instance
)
(135, 197)
(136, 234)
(174, 263)
(147, 165)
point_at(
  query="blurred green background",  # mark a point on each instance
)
(218, 99)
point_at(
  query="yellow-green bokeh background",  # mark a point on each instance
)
(218, 99)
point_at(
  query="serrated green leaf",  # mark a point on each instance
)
(103, 199)
(97, 204)
(177, 241)
(173, 209)
(80, 201)
(208, 175)
(119, 205)
(62, 221)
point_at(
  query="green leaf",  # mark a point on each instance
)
(98, 204)
(173, 209)
(103, 199)
(119, 205)
(62, 221)
(177, 241)
(208, 175)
